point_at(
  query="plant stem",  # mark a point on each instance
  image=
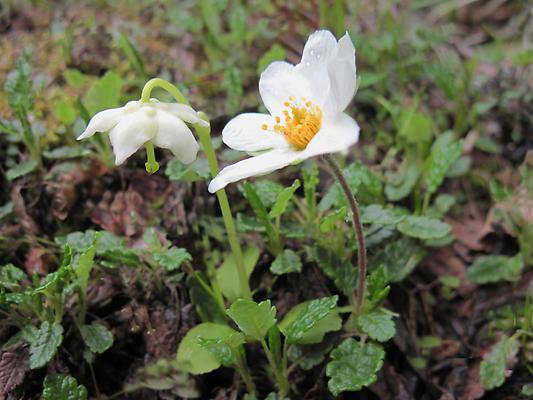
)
(281, 378)
(204, 133)
(336, 171)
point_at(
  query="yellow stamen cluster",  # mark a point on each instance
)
(301, 122)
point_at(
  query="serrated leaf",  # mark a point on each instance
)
(443, 154)
(84, 263)
(227, 275)
(286, 262)
(327, 223)
(402, 182)
(19, 87)
(63, 387)
(330, 323)
(339, 269)
(171, 259)
(44, 347)
(283, 199)
(495, 367)
(192, 357)
(353, 365)
(13, 367)
(252, 318)
(309, 356)
(259, 208)
(424, 228)
(378, 324)
(400, 258)
(376, 214)
(226, 349)
(491, 269)
(268, 191)
(309, 317)
(97, 337)
(21, 169)
(10, 276)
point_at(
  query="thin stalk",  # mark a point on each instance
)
(281, 378)
(358, 229)
(204, 133)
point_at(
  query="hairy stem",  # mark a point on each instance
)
(358, 229)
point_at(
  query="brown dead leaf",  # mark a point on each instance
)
(160, 338)
(444, 262)
(14, 364)
(474, 389)
(469, 232)
(124, 213)
(26, 221)
(39, 261)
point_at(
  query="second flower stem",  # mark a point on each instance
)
(358, 229)
(204, 133)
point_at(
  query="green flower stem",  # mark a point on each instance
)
(281, 378)
(152, 166)
(336, 171)
(204, 133)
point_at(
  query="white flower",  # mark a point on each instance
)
(306, 103)
(131, 126)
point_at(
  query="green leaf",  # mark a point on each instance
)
(275, 53)
(378, 324)
(232, 82)
(327, 223)
(44, 347)
(401, 183)
(227, 275)
(6, 210)
(79, 241)
(194, 358)
(330, 323)
(443, 154)
(339, 269)
(97, 337)
(132, 54)
(66, 152)
(198, 170)
(171, 259)
(75, 78)
(19, 86)
(286, 262)
(490, 269)
(84, 263)
(283, 200)
(21, 169)
(308, 318)
(225, 349)
(400, 258)
(64, 112)
(424, 228)
(63, 387)
(259, 208)
(309, 356)
(493, 369)
(353, 365)
(376, 214)
(268, 191)
(10, 276)
(253, 319)
(104, 93)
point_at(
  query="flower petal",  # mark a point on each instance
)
(342, 77)
(184, 112)
(336, 135)
(320, 49)
(245, 133)
(253, 166)
(102, 122)
(131, 133)
(173, 134)
(278, 82)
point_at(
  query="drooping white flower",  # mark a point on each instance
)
(306, 103)
(133, 125)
